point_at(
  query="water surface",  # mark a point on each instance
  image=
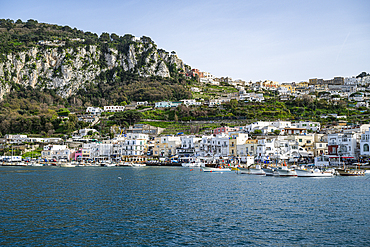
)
(156, 206)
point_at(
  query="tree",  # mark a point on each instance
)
(257, 132)
(277, 132)
(363, 74)
(114, 37)
(104, 37)
(63, 112)
(31, 23)
(129, 116)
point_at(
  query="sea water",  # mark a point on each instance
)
(175, 206)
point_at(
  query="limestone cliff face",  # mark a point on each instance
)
(68, 69)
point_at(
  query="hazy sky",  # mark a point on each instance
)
(280, 40)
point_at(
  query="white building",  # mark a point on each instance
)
(214, 102)
(190, 102)
(98, 151)
(342, 144)
(16, 138)
(134, 144)
(251, 97)
(365, 144)
(113, 108)
(190, 146)
(94, 110)
(264, 126)
(85, 132)
(57, 152)
(314, 126)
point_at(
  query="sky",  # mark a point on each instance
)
(283, 41)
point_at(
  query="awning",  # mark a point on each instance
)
(348, 157)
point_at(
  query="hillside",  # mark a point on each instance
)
(67, 60)
(45, 68)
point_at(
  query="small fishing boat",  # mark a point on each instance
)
(350, 172)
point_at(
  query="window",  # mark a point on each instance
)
(366, 148)
(300, 140)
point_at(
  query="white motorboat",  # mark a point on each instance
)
(314, 173)
(270, 171)
(216, 169)
(110, 164)
(191, 162)
(36, 164)
(285, 171)
(67, 165)
(137, 165)
(256, 170)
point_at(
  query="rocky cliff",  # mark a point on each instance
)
(68, 69)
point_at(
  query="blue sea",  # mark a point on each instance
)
(175, 206)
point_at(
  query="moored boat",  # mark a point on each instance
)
(285, 171)
(137, 165)
(110, 164)
(270, 171)
(191, 162)
(256, 170)
(67, 165)
(350, 172)
(313, 173)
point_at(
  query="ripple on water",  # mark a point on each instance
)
(173, 206)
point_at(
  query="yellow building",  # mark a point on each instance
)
(288, 86)
(306, 141)
(236, 139)
(303, 84)
(165, 146)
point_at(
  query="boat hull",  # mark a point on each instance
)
(252, 171)
(214, 169)
(350, 172)
(286, 172)
(310, 173)
(67, 165)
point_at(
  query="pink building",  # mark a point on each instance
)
(224, 129)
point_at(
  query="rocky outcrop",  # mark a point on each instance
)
(69, 69)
